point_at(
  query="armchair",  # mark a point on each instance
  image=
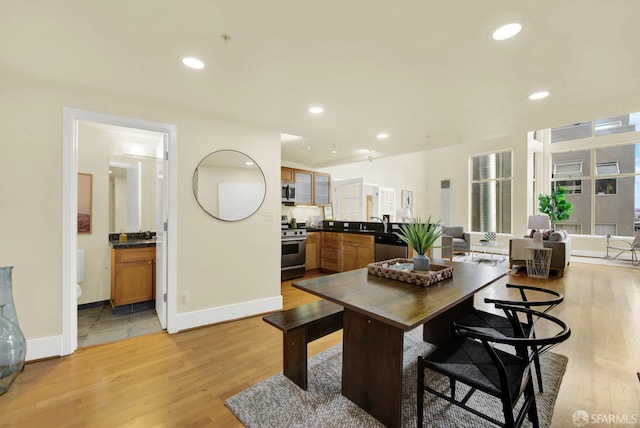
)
(455, 240)
(622, 246)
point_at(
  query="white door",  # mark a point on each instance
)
(349, 199)
(161, 230)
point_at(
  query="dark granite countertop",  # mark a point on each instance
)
(133, 243)
(134, 240)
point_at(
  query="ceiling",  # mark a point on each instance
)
(426, 72)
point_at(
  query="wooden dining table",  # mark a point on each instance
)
(377, 313)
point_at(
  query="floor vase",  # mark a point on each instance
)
(13, 346)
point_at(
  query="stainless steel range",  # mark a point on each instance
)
(292, 261)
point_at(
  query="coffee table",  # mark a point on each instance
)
(485, 248)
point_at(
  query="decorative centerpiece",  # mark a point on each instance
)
(420, 236)
(402, 270)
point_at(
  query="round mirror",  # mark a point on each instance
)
(229, 185)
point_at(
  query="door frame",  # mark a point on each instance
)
(70, 120)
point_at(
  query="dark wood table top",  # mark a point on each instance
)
(403, 305)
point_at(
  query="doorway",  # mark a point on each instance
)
(165, 219)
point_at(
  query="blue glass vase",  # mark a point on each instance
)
(13, 346)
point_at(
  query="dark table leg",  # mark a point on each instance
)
(438, 330)
(372, 367)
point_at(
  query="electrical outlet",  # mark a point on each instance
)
(185, 298)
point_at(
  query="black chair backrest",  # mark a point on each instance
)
(549, 303)
(541, 342)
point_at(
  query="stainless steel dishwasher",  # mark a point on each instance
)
(389, 246)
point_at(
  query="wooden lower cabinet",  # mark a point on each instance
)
(133, 277)
(330, 251)
(312, 251)
(357, 251)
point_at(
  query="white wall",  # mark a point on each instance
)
(213, 256)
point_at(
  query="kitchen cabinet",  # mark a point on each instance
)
(312, 188)
(330, 251)
(132, 275)
(321, 189)
(287, 175)
(312, 251)
(357, 251)
(304, 187)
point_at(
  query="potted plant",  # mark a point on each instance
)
(556, 205)
(420, 236)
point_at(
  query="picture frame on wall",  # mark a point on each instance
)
(328, 212)
(407, 200)
(85, 200)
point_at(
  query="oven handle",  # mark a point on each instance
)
(296, 239)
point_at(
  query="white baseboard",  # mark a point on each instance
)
(204, 317)
(44, 347)
(48, 347)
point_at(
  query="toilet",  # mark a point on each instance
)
(80, 272)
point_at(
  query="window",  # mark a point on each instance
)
(617, 124)
(567, 169)
(604, 229)
(572, 229)
(491, 192)
(605, 168)
(387, 204)
(606, 186)
(574, 187)
(607, 195)
(571, 132)
(605, 126)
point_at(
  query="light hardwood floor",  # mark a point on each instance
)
(182, 380)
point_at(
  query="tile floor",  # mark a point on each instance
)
(99, 324)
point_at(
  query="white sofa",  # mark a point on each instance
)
(558, 241)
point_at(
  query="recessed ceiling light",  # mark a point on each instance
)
(507, 31)
(316, 109)
(194, 63)
(383, 136)
(539, 95)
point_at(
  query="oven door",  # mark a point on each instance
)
(293, 252)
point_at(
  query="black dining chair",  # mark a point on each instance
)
(490, 321)
(472, 358)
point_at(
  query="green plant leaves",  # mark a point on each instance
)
(420, 235)
(555, 205)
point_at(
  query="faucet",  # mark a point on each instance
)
(384, 222)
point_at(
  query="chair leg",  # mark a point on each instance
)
(536, 362)
(452, 385)
(507, 409)
(420, 394)
(533, 409)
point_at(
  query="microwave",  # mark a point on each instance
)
(288, 193)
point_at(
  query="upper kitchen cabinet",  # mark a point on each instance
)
(322, 189)
(304, 187)
(311, 188)
(287, 175)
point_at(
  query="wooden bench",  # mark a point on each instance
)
(300, 326)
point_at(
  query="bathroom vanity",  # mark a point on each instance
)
(133, 267)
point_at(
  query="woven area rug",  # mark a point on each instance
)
(278, 402)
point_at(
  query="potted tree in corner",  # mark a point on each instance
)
(556, 205)
(420, 236)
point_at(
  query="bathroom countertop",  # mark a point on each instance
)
(133, 243)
